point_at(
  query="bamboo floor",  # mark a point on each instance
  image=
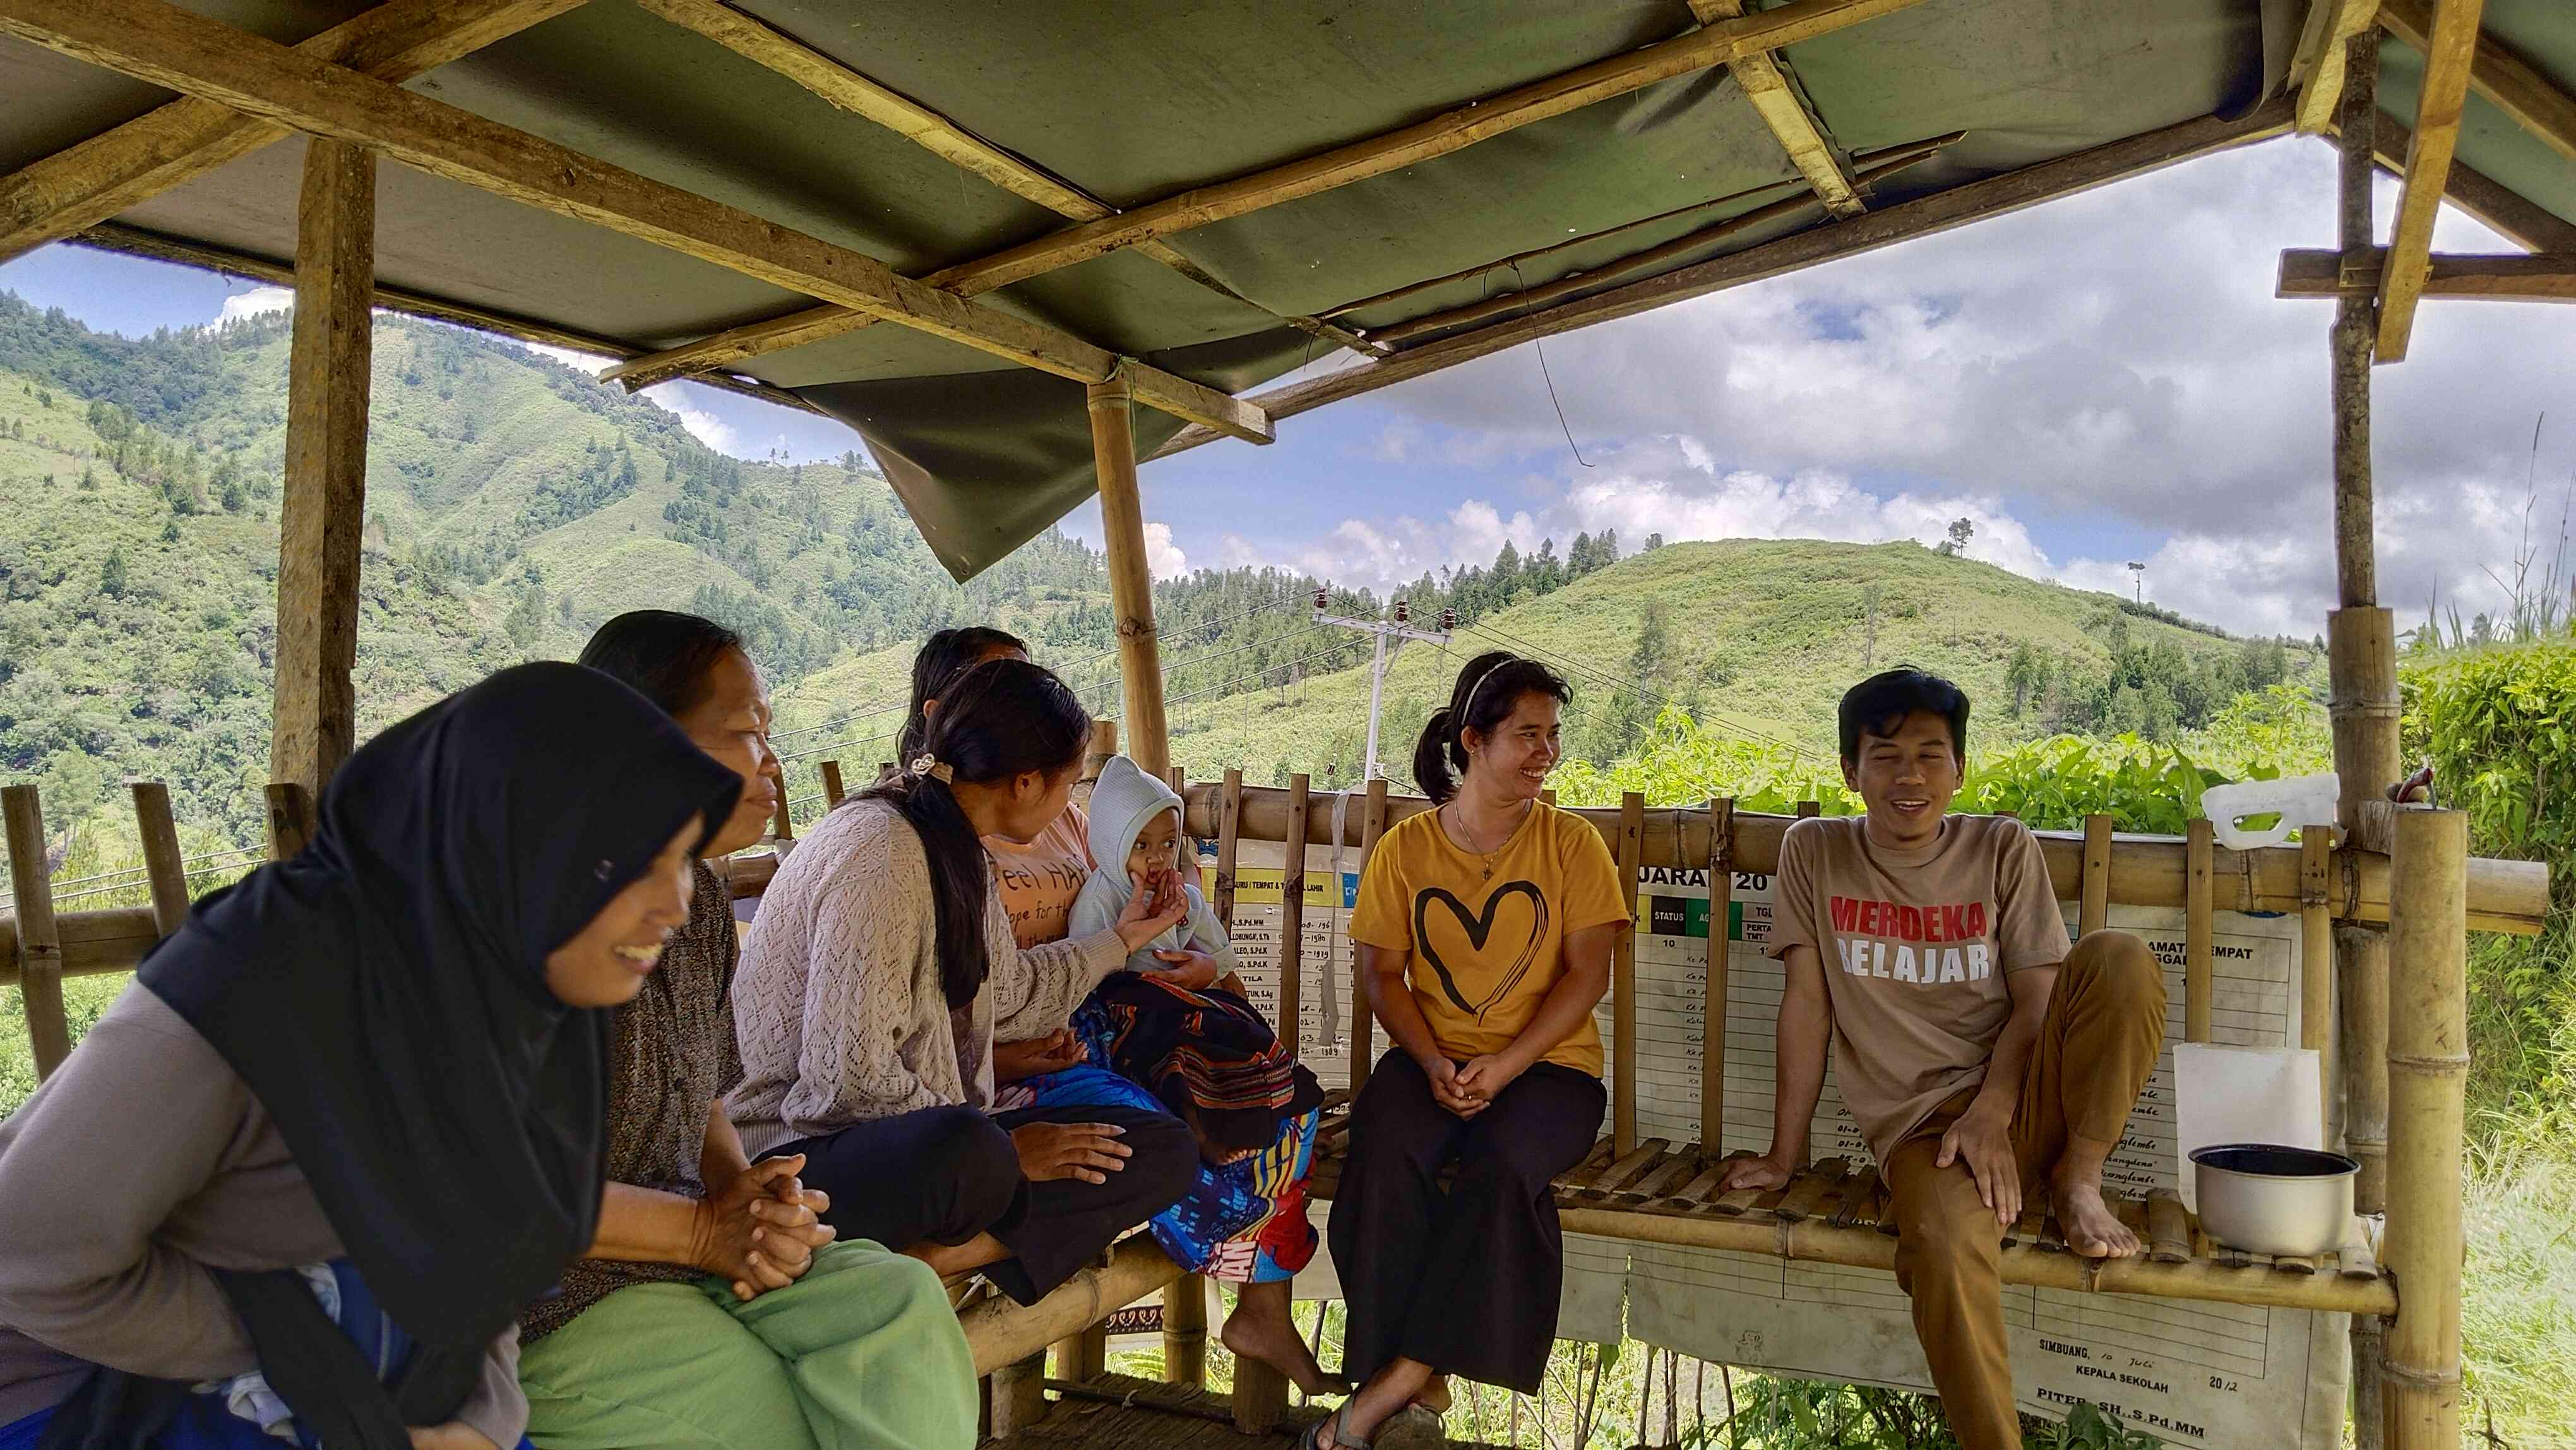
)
(1157, 1416)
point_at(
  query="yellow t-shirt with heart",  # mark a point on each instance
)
(1487, 933)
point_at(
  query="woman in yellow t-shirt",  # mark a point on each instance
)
(1484, 929)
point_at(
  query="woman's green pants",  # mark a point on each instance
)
(863, 1353)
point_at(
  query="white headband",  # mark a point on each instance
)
(1464, 711)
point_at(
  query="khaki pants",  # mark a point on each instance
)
(2106, 1021)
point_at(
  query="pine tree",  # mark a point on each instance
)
(111, 575)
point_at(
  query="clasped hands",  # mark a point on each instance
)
(760, 1231)
(1468, 1090)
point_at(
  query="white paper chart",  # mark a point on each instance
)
(2220, 1376)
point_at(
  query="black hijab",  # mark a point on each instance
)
(383, 994)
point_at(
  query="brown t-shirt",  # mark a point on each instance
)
(1916, 947)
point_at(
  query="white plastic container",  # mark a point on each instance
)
(2300, 800)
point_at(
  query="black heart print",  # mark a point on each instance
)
(1477, 929)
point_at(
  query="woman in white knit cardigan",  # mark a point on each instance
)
(876, 973)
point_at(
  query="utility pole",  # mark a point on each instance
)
(1869, 642)
(1399, 630)
(2138, 577)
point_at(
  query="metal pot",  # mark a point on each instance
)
(2265, 1198)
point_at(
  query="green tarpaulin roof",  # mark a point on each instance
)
(1133, 102)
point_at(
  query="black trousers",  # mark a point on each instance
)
(1466, 1280)
(947, 1174)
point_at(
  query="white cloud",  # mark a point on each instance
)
(704, 426)
(1163, 558)
(257, 301)
(2115, 360)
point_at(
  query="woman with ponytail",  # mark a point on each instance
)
(1484, 928)
(871, 982)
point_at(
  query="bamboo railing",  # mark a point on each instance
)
(2425, 887)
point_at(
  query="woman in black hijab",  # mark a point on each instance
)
(378, 1053)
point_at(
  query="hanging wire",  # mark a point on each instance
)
(1540, 343)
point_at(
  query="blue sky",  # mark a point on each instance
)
(2103, 379)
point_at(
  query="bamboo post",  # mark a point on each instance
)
(832, 792)
(1292, 919)
(1712, 1001)
(1260, 1395)
(2095, 912)
(1131, 580)
(2199, 969)
(1019, 1396)
(1623, 978)
(782, 826)
(290, 819)
(1260, 1398)
(1364, 1022)
(1809, 810)
(1185, 1298)
(162, 863)
(1185, 1315)
(1229, 848)
(2428, 1063)
(1082, 1356)
(323, 512)
(2361, 658)
(2316, 965)
(40, 945)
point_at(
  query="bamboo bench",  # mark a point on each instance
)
(1650, 1190)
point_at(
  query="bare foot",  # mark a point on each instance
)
(2092, 1229)
(1255, 1331)
(1434, 1395)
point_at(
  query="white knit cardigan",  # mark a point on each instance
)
(837, 1004)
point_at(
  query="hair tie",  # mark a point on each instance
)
(1467, 712)
(929, 765)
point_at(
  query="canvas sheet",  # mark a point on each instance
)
(2221, 1376)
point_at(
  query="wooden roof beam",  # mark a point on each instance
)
(765, 45)
(2450, 50)
(2535, 102)
(1924, 216)
(167, 46)
(2497, 206)
(119, 169)
(2317, 66)
(2512, 277)
(1451, 130)
(136, 242)
(1760, 78)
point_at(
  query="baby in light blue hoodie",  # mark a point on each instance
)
(1136, 834)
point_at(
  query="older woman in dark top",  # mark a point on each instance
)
(715, 1309)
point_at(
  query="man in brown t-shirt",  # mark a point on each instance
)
(1978, 1050)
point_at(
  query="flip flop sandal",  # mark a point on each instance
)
(1313, 1439)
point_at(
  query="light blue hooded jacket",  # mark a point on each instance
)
(1123, 802)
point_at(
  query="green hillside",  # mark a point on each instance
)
(1759, 638)
(512, 504)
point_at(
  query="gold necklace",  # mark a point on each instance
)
(1458, 820)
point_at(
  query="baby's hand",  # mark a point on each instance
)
(1195, 970)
